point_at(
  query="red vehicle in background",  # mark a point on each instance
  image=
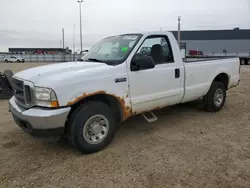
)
(195, 52)
(39, 52)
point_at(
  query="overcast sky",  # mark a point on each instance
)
(38, 23)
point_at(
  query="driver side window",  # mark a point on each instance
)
(157, 47)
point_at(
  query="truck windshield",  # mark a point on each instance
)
(112, 50)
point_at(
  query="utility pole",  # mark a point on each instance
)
(63, 44)
(80, 6)
(179, 31)
(63, 37)
(74, 41)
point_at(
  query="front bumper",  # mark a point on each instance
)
(40, 122)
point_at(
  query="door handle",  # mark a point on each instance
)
(177, 73)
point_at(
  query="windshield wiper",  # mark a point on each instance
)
(100, 61)
(96, 60)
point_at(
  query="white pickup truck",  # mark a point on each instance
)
(86, 100)
(14, 59)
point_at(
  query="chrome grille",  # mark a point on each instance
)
(22, 92)
(18, 91)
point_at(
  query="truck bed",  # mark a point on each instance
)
(200, 74)
(199, 59)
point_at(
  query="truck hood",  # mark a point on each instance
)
(43, 75)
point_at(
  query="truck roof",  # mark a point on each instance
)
(148, 33)
(155, 33)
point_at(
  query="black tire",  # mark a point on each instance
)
(242, 61)
(77, 122)
(209, 99)
(247, 62)
(8, 74)
(5, 90)
(18, 61)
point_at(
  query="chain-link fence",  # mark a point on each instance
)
(43, 57)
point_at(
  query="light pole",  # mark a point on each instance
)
(74, 41)
(63, 44)
(80, 5)
(179, 31)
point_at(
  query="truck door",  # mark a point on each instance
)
(160, 86)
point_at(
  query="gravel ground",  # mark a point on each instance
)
(186, 147)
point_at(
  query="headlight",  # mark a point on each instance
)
(45, 97)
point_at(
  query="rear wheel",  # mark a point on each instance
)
(242, 61)
(18, 61)
(248, 62)
(6, 61)
(92, 127)
(215, 98)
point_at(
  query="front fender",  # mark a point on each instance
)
(123, 100)
(74, 93)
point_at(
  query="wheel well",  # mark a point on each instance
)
(110, 100)
(223, 77)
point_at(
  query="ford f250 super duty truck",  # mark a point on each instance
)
(115, 80)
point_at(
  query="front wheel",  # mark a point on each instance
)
(6, 61)
(92, 127)
(215, 99)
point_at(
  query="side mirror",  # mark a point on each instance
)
(141, 62)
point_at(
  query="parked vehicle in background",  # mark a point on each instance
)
(213, 43)
(195, 53)
(245, 60)
(86, 100)
(13, 59)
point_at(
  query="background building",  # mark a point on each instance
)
(217, 42)
(39, 50)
